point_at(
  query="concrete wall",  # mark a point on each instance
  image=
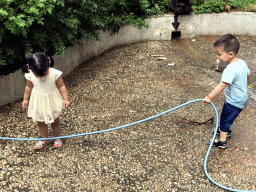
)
(160, 28)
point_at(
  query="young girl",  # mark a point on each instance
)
(45, 95)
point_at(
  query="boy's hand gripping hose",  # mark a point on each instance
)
(141, 121)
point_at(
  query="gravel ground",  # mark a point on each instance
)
(124, 85)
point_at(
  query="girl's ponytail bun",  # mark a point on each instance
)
(24, 68)
(52, 62)
(50, 53)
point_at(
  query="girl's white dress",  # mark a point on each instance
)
(45, 103)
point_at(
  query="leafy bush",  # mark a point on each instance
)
(208, 6)
(28, 26)
(197, 2)
(235, 3)
(247, 5)
(151, 7)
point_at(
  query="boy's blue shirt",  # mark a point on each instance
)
(235, 75)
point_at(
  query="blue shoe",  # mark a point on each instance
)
(220, 144)
(218, 132)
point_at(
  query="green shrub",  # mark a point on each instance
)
(151, 7)
(209, 6)
(29, 26)
(197, 2)
(235, 3)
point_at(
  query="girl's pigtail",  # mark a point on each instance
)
(52, 62)
(25, 68)
(49, 55)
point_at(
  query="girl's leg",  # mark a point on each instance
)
(43, 129)
(56, 127)
(56, 132)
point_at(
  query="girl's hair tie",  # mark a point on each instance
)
(46, 56)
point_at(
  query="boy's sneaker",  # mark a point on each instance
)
(220, 144)
(218, 132)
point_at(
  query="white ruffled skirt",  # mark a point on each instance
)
(45, 107)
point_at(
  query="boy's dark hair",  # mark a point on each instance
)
(229, 42)
(38, 63)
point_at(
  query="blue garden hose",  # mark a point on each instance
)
(141, 121)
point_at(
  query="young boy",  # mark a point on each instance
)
(234, 81)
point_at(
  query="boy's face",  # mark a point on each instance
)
(222, 55)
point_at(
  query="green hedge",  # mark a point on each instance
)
(28, 26)
(217, 6)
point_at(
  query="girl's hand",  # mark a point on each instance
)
(66, 103)
(25, 104)
(207, 99)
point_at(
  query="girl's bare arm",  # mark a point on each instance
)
(63, 91)
(27, 93)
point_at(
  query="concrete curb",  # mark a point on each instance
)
(160, 28)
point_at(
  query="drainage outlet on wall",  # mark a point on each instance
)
(176, 34)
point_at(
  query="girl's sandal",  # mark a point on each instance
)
(57, 143)
(41, 144)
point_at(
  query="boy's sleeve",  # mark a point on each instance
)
(228, 76)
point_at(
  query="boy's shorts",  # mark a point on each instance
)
(228, 116)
